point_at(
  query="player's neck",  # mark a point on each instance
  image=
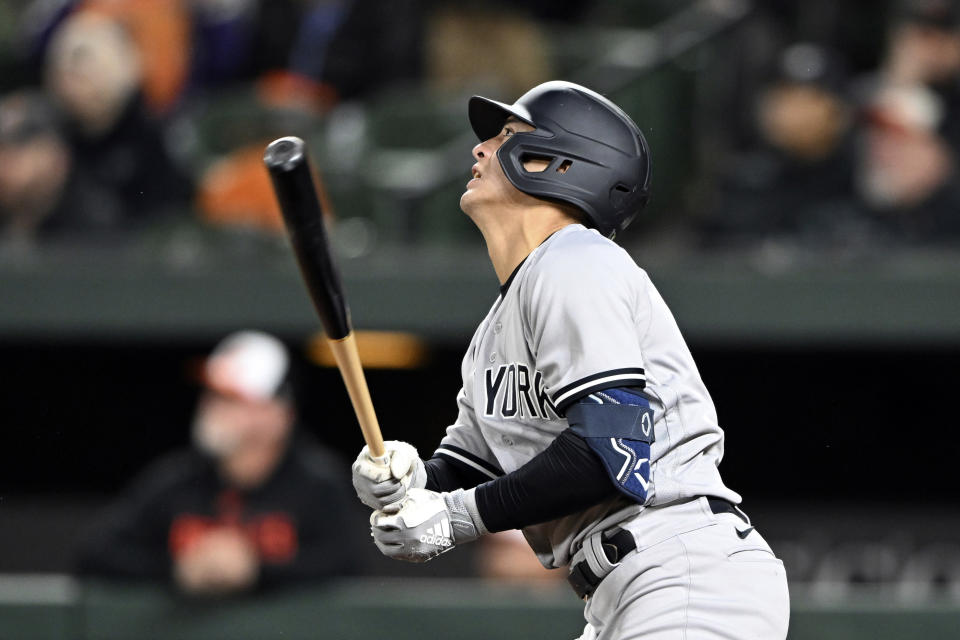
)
(510, 239)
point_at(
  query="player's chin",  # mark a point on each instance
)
(468, 200)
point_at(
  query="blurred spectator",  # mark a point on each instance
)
(797, 179)
(43, 193)
(182, 45)
(515, 49)
(360, 49)
(907, 161)
(348, 49)
(161, 34)
(924, 44)
(907, 173)
(94, 73)
(243, 40)
(35, 167)
(255, 504)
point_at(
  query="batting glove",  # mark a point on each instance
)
(428, 524)
(381, 483)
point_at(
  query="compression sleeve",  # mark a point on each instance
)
(565, 478)
(453, 467)
(444, 474)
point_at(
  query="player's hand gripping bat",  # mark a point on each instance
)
(289, 167)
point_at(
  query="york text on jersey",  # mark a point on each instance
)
(512, 392)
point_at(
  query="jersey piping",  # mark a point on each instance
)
(629, 377)
(463, 456)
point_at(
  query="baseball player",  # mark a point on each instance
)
(582, 419)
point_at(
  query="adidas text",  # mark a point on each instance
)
(439, 541)
(438, 534)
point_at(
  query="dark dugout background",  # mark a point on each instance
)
(802, 423)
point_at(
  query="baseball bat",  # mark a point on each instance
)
(289, 166)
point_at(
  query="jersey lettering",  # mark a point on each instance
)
(527, 409)
(509, 406)
(543, 400)
(493, 387)
(510, 385)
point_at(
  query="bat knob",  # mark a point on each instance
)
(284, 154)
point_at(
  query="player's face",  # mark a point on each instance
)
(489, 185)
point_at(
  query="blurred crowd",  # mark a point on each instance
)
(97, 140)
(118, 116)
(847, 160)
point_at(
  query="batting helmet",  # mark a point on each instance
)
(598, 159)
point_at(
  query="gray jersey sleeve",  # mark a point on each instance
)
(586, 314)
(464, 444)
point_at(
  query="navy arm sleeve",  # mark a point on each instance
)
(565, 478)
(444, 474)
(453, 467)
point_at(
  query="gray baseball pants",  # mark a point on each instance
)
(693, 577)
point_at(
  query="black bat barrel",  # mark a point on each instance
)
(286, 160)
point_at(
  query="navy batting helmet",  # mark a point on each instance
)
(598, 159)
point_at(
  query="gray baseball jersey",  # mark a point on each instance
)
(580, 316)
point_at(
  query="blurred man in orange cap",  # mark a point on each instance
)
(245, 508)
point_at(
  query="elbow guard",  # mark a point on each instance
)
(618, 426)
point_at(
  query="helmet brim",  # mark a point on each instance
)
(487, 116)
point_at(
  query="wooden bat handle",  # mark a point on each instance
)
(348, 361)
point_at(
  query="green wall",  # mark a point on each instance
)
(400, 610)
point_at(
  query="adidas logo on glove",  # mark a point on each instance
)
(438, 534)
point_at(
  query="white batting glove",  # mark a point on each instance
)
(428, 524)
(381, 483)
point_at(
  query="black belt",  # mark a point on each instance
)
(719, 505)
(618, 544)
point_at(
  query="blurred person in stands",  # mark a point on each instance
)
(516, 53)
(356, 50)
(44, 194)
(35, 169)
(923, 49)
(255, 504)
(795, 182)
(93, 72)
(906, 171)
